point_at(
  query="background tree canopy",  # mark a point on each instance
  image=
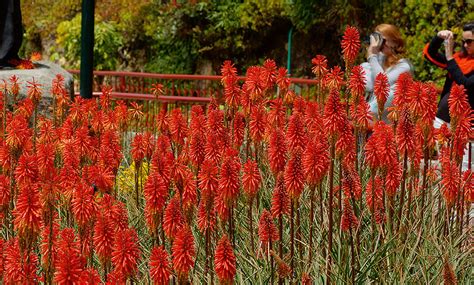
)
(197, 36)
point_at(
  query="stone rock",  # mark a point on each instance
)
(44, 73)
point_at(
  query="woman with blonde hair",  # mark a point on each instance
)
(385, 53)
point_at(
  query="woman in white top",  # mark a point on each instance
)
(384, 54)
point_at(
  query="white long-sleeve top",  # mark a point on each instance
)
(372, 68)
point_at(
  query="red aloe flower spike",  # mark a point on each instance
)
(90, 276)
(315, 160)
(189, 191)
(27, 214)
(345, 145)
(160, 269)
(5, 193)
(178, 126)
(402, 87)
(320, 66)
(282, 79)
(213, 148)
(138, 150)
(17, 271)
(2, 257)
(197, 147)
(18, 134)
(350, 44)
(267, 231)
(156, 194)
(348, 219)
(377, 190)
(449, 178)
(334, 114)
(157, 89)
(381, 90)
(269, 73)
(251, 178)
(294, 175)
(334, 79)
(357, 83)
(34, 91)
(70, 264)
(162, 121)
(222, 208)
(351, 184)
(27, 170)
(462, 133)
(277, 115)
(277, 151)
(239, 129)
(184, 252)
(405, 133)
(224, 261)
(458, 101)
(104, 233)
(15, 86)
(83, 204)
(229, 180)
(280, 199)
(126, 252)
(230, 82)
(208, 179)
(393, 178)
(206, 219)
(173, 219)
(254, 84)
(49, 245)
(296, 134)
(258, 123)
(57, 86)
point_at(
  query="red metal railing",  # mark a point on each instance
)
(178, 88)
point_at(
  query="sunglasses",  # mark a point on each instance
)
(468, 41)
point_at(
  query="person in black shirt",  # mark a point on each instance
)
(460, 65)
(11, 32)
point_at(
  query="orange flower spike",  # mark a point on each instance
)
(160, 268)
(57, 86)
(296, 133)
(315, 160)
(334, 79)
(173, 219)
(104, 233)
(189, 190)
(294, 175)
(251, 178)
(34, 91)
(90, 276)
(184, 252)
(405, 133)
(224, 261)
(277, 150)
(280, 199)
(402, 87)
(208, 178)
(27, 170)
(267, 230)
(282, 79)
(15, 85)
(239, 130)
(351, 184)
(350, 44)
(157, 89)
(458, 101)
(5, 193)
(230, 81)
(17, 271)
(83, 204)
(229, 180)
(348, 218)
(381, 90)
(334, 114)
(320, 66)
(70, 264)
(269, 73)
(178, 126)
(357, 83)
(126, 252)
(206, 219)
(138, 150)
(258, 123)
(155, 192)
(27, 213)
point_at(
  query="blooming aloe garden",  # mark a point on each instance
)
(261, 187)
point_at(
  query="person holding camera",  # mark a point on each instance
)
(460, 66)
(384, 54)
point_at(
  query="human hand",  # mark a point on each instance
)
(374, 46)
(444, 34)
(449, 47)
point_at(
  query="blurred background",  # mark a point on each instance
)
(195, 37)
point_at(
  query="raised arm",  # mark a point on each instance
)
(431, 50)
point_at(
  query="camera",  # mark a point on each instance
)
(377, 36)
